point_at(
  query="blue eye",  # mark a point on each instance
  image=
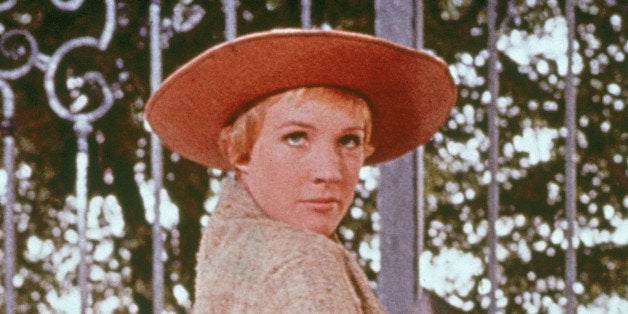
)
(351, 141)
(295, 138)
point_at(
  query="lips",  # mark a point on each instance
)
(321, 205)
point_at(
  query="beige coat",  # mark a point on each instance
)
(248, 263)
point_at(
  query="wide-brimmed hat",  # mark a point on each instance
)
(410, 92)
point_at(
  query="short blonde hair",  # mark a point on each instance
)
(237, 139)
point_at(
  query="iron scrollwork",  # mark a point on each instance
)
(21, 47)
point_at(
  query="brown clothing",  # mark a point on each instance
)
(249, 263)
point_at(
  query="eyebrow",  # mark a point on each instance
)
(295, 123)
(308, 126)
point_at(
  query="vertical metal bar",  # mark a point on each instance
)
(158, 267)
(418, 24)
(420, 165)
(570, 161)
(493, 129)
(420, 220)
(306, 13)
(8, 106)
(156, 160)
(83, 128)
(231, 19)
(396, 196)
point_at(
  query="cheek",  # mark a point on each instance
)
(352, 164)
(284, 174)
(351, 177)
(273, 168)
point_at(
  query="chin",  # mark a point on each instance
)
(322, 230)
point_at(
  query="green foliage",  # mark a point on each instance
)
(531, 226)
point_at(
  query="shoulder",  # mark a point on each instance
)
(307, 273)
(317, 282)
(268, 246)
(288, 240)
(279, 245)
(280, 268)
(303, 271)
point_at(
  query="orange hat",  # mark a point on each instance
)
(410, 93)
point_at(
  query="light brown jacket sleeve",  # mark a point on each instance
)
(312, 283)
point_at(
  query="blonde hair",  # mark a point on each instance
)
(237, 139)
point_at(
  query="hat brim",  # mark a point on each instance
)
(410, 92)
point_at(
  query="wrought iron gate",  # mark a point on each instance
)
(402, 231)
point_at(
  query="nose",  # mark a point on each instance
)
(326, 165)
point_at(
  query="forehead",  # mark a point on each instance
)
(323, 107)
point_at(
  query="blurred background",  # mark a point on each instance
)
(78, 76)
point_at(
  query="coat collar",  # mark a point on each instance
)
(236, 202)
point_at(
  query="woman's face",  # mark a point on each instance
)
(303, 167)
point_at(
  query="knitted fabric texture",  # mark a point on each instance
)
(249, 263)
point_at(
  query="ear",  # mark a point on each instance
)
(242, 167)
(368, 150)
(228, 148)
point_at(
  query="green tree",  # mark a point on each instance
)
(531, 225)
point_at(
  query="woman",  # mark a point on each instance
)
(294, 114)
